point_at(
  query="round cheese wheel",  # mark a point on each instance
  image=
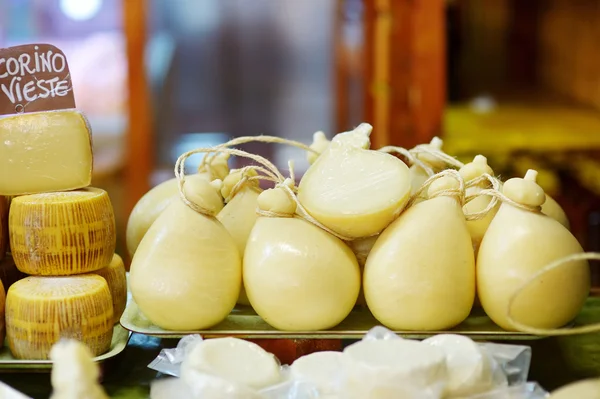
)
(115, 276)
(42, 310)
(62, 233)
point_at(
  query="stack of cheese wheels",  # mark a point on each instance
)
(62, 276)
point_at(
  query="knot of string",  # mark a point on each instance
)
(496, 193)
(246, 178)
(207, 159)
(412, 160)
(459, 192)
(272, 171)
(441, 155)
(562, 262)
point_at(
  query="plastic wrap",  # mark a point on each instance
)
(506, 379)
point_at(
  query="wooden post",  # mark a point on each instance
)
(140, 141)
(405, 79)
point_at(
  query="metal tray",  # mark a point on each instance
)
(243, 322)
(9, 364)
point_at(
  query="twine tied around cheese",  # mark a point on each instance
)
(458, 193)
(412, 159)
(522, 327)
(208, 158)
(272, 174)
(495, 191)
(441, 155)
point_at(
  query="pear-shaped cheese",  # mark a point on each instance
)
(319, 144)
(186, 273)
(354, 191)
(155, 201)
(297, 276)
(551, 208)
(420, 275)
(517, 244)
(239, 214)
(469, 172)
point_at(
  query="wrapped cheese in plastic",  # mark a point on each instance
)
(155, 201)
(187, 271)
(519, 242)
(239, 213)
(420, 275)
(297, 276)
(354, 191)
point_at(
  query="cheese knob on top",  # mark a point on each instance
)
(469, 172)
(319, 144)
(352, 190)
(420, 274)
(418, 176)
(297, 276)
(155, 201)
(519, 243)
(398, 368)
(234, 360)
(186, 273)
(62, 233)
(239, 214)
(74, 373)
(470, 369)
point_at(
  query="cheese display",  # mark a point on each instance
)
(333, 189)
(155, 201)
(62, 233)
(74, 373)
(44, 152)
(507, 260)
(297, 276)
(116, 278)
(187, 272)
(3, 226)
(239, 214)
(320, 369)
(585, 389)
(420, 274)
(42, 310)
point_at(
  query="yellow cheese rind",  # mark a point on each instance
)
(115, 276)
(2, 318)
(42, 310)
(45, 152)
(3, 226)
(62, 233)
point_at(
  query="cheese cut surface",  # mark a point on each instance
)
(42, 310)
(62, 233)
(3, 226)
(45, 151)
(115, 276)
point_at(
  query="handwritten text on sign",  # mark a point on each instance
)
(34, 78)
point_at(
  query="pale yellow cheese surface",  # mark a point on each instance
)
(45, 151)
(62, 233)
(297, 276)
(115, 276)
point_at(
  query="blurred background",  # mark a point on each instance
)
(517, 81)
